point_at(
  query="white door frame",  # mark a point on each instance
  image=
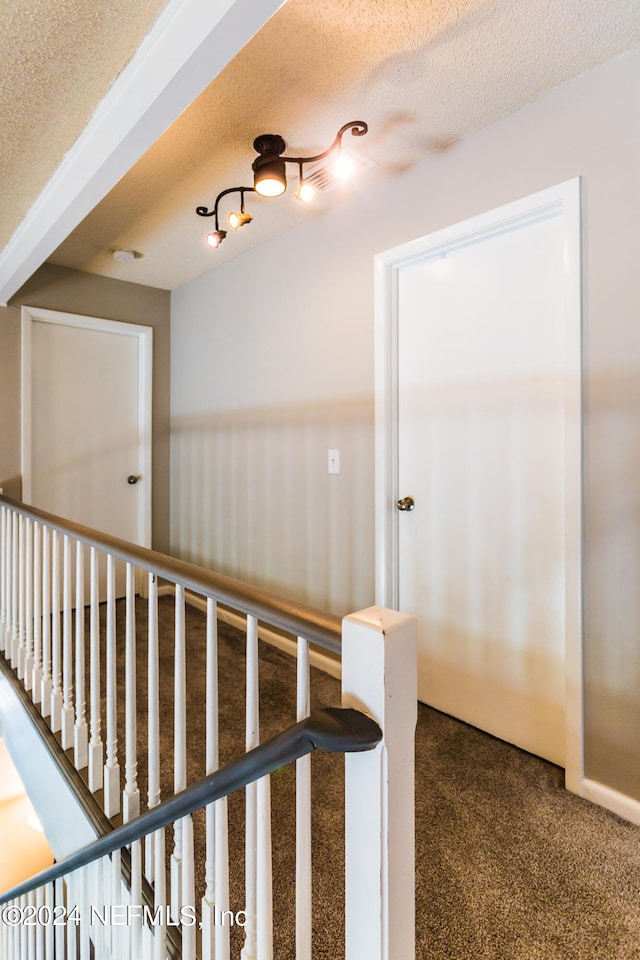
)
(565, 199)
(145, 367)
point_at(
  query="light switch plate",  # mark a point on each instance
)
(334, 461)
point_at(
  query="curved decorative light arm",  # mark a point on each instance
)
(358, 129)
(213, 212)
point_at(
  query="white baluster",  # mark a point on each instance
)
(21, 598)
(5, 559)
(3, 576)
(97, 899)
(14, 937)
(112, 768)
(136, 899)
(303, 815)
(222, 931)
(105, 902)
(252, 739)
(80, 733)
(131, 796)
(6, 582)
(28, 603)
(160, 896)
(70, 885)
(36, 678)
(41, 928)
(188, 892)
(179, 745)
(24, 932)
(4, 941)
(17, 930)
(116, 898)
(67, 647)
(264, 892)
(31, 930)
(56, 653)
(59, 929)
(15, 636)
(8, 576)
(215, 937)
(96, 748)
(153, 712)
(84, 886)
(7, 941)
(46, 688)
(5, 639)
(49, 945)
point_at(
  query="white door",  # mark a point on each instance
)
(86, 400)
(487, 372)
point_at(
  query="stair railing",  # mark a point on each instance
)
(51, 568)
(93, 903)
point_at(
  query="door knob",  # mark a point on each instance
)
(132, 478)
(406, 503)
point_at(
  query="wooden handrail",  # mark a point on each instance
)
(298, 619)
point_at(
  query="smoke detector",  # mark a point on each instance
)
(123, 256)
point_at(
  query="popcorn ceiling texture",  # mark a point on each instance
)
(423, 73)
(57, 61)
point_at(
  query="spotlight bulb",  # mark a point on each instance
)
(237, 220)
(344, 167)
(215, 239)
(270, 187)
(306, 192)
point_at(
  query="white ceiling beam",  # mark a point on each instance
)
(191, 42)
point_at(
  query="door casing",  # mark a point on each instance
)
(563, 198)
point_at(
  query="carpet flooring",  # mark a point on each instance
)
(509, 866)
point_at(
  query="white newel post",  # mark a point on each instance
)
(379, 678)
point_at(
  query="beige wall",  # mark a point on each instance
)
(272, 363)
(57, 288)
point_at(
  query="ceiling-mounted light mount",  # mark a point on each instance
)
(269, 176)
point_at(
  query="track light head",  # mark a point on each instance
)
(269, 168)
(215, 239)
(306, 192)
(237, 220)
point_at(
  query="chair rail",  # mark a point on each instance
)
(322, 629)
(335, 729)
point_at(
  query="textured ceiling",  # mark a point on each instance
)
(422, 73)
(57, 61)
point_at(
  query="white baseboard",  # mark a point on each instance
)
(618, 803)
(316, 658)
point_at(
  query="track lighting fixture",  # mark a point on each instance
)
(270, 179)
